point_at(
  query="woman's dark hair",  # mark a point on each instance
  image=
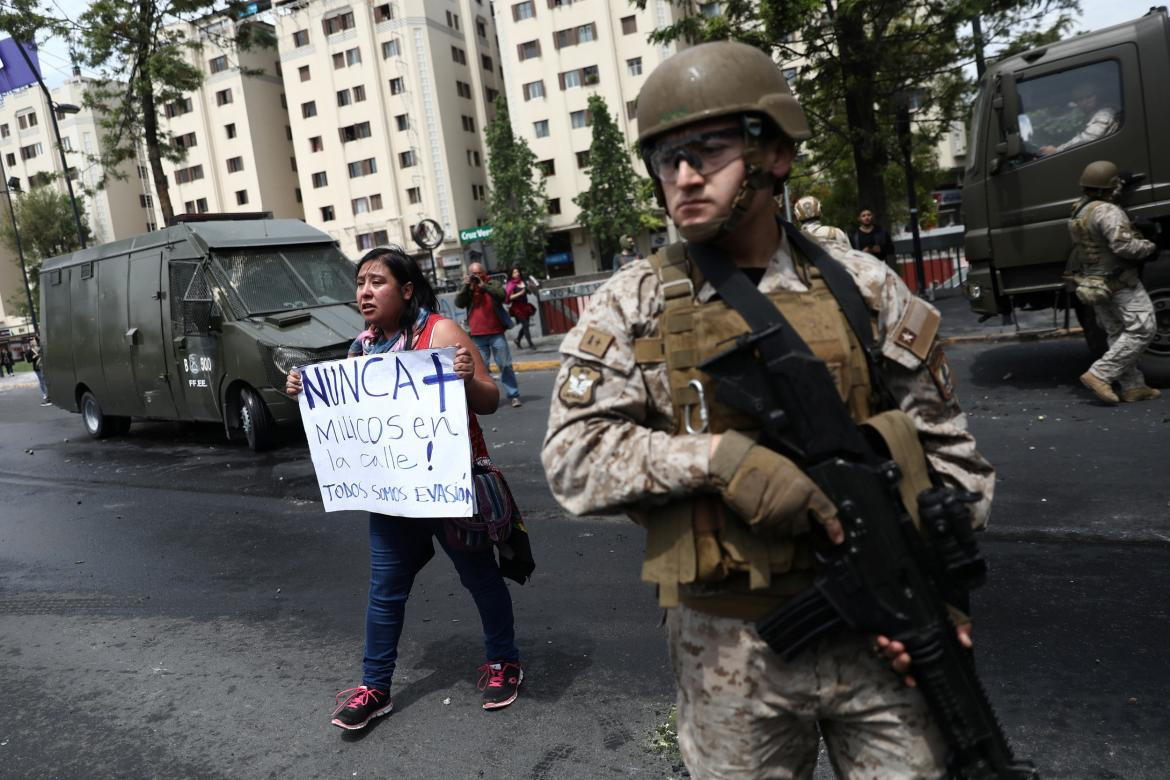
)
(404, 269)
(514, 269)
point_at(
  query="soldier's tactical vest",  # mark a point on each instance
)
(699, 541)
(1096, 258)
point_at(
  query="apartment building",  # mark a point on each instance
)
(387, 105)
(30, 158)
(239, 154)
(556, 53)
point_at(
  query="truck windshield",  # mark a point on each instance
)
(263, 280)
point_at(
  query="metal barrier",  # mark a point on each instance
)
(561, 307)
(943, 269)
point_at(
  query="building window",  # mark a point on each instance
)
(366, 203)
(708, 9)
(414, 195)
(343, 98)
(533, 89)
(146, 201)
(309, 109)
(634, 66)
(362, 168)
(189, 206)
(569, 79)
(554, 206)
(359, 93)
(185, 141)
(353, 132)
(790, 76)
(241, 197)
(402, 122)
(327, 214)
(464, 89)
(338, 22)
(185, 175)
(571, 36)
(142, 171)
(390, 48)
(201, 205)
(528, 50)
(579, 119)
(223, 97)
(629, 25)
(218, 63)
(481, 28)
(490, 94)
(4, 131)
(338, 60)
(320, 179)
(525, 10)
(540, 128)
(371, 240)
(583, 159)
(283, 101)
(473, 158)
(26, 120)
(383, 13)
(316, 144)
(487, 62)
(632, 109)
(458, 55)
(590, 75)
(397, 86)
(375, 202)
(453, 20)
(30, 151)
(478, 192)
(468, 123)
(235, 164)
(300, 197)
(173, 109)
(292, 162)
(406, 159)
(303, 72)
(287, 132)
(547, 167)
(300, 38)
(10, 159)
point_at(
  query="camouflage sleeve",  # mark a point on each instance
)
(920, 380)
(609, 445)
(1101, 124)
(1124, 241)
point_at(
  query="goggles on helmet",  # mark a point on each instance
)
(706, 153)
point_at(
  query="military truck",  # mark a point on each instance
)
(200, 321)
(1040, 117)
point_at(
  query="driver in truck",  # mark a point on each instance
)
(1102, 119)
(1110, 254)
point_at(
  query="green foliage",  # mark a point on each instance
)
(516, 204)
(859, 56)
(616, 202)
(44, 218)
(147, 60)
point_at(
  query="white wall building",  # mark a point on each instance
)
(387, 105)
(556, 53)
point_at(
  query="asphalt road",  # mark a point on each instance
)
(174, 606)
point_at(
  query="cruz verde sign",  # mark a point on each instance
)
(479, 233)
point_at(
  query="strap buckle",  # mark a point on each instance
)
(689, 290)
(703, 418)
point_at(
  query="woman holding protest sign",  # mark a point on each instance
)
(400, 308)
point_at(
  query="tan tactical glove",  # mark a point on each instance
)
(768, 490)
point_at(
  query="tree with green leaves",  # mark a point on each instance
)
(616, 202)
(44, 217)
(517, 210)
(858, 58)
(143, 51)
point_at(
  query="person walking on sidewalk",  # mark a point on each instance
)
(6, 362)
(635, 426)
(400, 308)
(32, 353)
(1111, 253)
(516, 292)
(488, 322)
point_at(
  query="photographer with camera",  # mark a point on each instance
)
(488, 322)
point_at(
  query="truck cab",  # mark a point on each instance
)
(1039, 118)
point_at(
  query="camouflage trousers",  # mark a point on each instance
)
(744, 713)
(1128, 321)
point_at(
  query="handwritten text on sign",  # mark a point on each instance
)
(388, 433)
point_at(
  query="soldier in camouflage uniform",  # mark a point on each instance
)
(634, 428)
(808, 215)
(1110, 253)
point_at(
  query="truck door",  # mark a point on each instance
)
(196, 359)
(148, 360)
(1071, 112)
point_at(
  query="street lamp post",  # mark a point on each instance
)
(64, 108)
(14, 184)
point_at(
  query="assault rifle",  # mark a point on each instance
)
(886, 577)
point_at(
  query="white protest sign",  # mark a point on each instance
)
(388, 433)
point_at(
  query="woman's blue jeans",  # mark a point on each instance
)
(399, 548)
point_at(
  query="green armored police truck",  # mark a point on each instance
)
(200, 321)
(1039, 119)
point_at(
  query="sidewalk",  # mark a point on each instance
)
(959, 325)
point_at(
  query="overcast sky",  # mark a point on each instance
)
(1094, 14)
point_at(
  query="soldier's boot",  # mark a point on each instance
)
(1100, 387)
(1140, 393)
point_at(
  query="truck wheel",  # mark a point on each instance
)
(1095, 335)
(255, 421)
(1155, 363)
(97, 424)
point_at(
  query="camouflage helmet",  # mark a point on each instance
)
(714, 80)
(1100, 175)
(807, 208)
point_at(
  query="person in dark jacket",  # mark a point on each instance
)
(872, 238)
